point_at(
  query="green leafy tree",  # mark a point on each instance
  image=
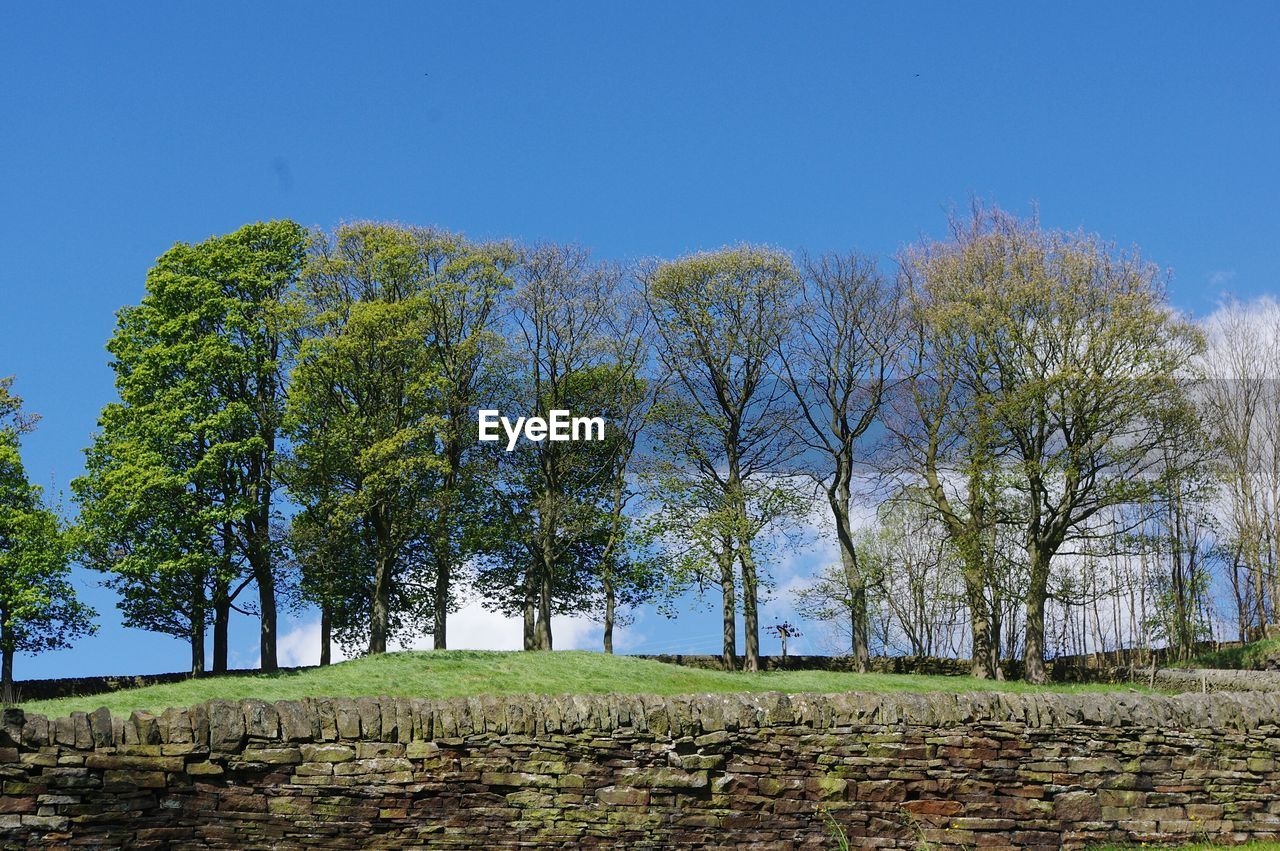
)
(368, 417)
(38, 606)
(469, 283)
(178, 496)
(555, 530)
(630, 575)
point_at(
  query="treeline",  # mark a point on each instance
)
(297, 424)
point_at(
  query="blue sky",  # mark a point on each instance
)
(637, 129)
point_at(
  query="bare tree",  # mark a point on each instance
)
(847, 338)
(1241, 409)
(718, 318)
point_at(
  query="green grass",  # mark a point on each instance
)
(1249, 657)
(467, 672)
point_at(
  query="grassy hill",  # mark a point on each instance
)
(468, 672)
(1258, 656)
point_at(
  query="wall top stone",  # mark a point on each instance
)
(222, 725)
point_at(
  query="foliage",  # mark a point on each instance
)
(1254, 656)
(1073, 359)
(364, 413)
(176, 502)
(38, 606)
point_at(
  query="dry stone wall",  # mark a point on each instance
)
(714, 771)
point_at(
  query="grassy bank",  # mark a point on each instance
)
(468, 672)
(1254, 656)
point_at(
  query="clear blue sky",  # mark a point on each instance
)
(635, 128)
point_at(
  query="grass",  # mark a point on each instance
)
(454, 673)
(1249, 657)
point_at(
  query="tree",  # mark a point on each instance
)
(946, 445)
(629, 575)
(718, 317)
(38, 606)
(1073, 358)
(1240, 406)
(155, 529)
(546, 552)
(463, 307)
(837, 362)
(180, 482)
(365, 414)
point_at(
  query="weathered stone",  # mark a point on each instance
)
(370, 714)
(623, 796)
(175, 727)
(273, 756)
(132, 779)
(226, 725)
(374, 750)
(327, 753)
(665, 778)
(134, 763)
(143, 729)
(260, 719)
(12, 722)
(1076, 807)
(346, 718)
(100, 731)
(204, 769)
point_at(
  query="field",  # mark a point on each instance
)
(455, 673)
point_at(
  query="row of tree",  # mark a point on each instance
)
(298, 416)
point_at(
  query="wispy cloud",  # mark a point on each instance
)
(1221, 277)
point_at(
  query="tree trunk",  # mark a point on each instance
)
(6, 677)
(6, 661)
(729, 656)
(222, 597)
(544, 612)
(750, 609)
(840, 499)
(197, 644)
(979, 623)
(265, 579)
(1033, 669)
(610, 604)
(444, 546)
(993, 649)
(326, 635)
(263, 482)
(440, 604)
(858, 627)
(197, 624)
(380, 615)
(547, 553)
(530, 614)
(221, 625)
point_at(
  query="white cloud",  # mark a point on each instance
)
(470, 628)
(1221, 277)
